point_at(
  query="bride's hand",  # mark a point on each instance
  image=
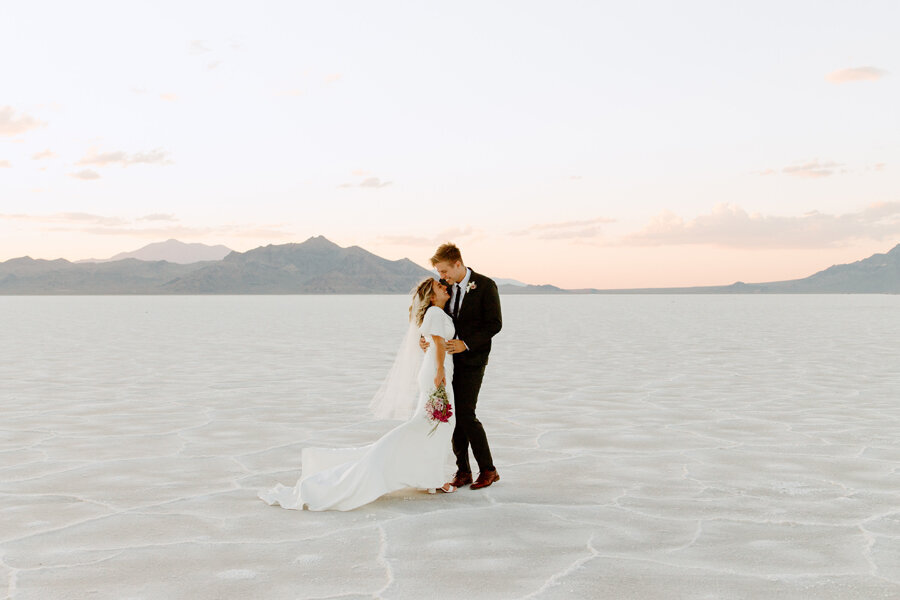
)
(439, 378)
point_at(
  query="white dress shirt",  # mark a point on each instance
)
(461, 289)
(462, 294)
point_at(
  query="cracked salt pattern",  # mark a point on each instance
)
(650, 447)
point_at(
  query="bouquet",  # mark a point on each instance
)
(437, 408)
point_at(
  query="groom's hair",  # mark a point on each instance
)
(446, 253)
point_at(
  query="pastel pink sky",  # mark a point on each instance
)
(571, 143)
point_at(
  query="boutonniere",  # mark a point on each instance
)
(471, 286)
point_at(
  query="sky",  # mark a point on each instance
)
(580, 144)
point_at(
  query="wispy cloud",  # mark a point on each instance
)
(106, 225)
(855, 74)
(43, 154)
(568, 230)
(12, 124)
(67, 218)
(265, 232)
(85, 175)
(813, 169)
(372, 183)
(198, 47)
(447, 235)
(169, 97)
(5, 164)
(158, 217)
(810, 169)
(95, 157)
(332, 78)
(731, 226)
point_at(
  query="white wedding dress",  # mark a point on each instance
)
(405, 457)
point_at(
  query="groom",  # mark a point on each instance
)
(474, 306)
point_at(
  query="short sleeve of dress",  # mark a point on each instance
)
(434, 323)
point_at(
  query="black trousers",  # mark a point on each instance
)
(469, 432)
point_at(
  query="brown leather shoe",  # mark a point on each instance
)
(485, 479)
(461, 479)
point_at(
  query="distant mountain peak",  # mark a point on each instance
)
(319, 241)
(173, 251)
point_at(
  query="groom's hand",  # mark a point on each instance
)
(456, 346)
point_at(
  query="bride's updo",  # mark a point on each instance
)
(423, 294)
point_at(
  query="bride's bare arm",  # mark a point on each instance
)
(439, 354)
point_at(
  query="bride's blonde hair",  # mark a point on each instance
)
(423, 293)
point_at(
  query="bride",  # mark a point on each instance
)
(410, 455)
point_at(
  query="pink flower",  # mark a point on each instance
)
(437, 408)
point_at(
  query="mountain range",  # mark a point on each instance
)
(319, 266)
(878, 274)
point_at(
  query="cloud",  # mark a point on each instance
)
(567, 230)
(446, 235)
(12, 125)
(44, 154)
(67, 218)
(332, 78)
(102, 159)
(156, 156)
(198, 47)
(85, 175)
(169, 97)
(182, 231)
(256, 232)
(90, 218)
(372, 183)
(138, 90)
(855, 74)
(292, 92)
(158, 217)
(104, 225)
(5, 164)
(94, 157)
(812, 169)
(731, 226)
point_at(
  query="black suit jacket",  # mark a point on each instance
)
(479, 320)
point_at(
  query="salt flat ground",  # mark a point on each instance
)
(649, 447)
